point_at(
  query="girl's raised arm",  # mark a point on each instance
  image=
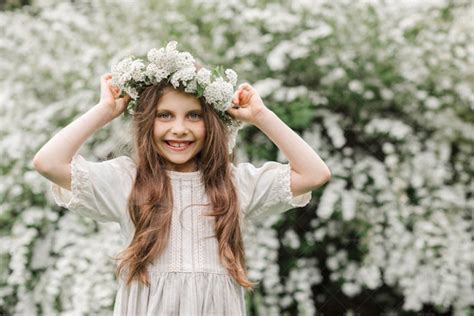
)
(54, 158)
(308, 170)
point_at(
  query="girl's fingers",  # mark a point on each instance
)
(236, 96)
(241, 96)
(105, 77)
(245, 95)
(114, 88)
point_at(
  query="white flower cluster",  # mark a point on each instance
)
(131, 76)
(219, 93)
(167, 63)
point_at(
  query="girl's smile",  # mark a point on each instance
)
(179, 146)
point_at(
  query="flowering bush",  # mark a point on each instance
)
(383, 93)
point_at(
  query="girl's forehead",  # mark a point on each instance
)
(173, 99)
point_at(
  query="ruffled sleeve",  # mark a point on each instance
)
(266, 190)
(99, 190)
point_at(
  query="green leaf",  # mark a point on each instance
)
(200, 91)
(217, 72)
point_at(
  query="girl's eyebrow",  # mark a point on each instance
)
(194, 110)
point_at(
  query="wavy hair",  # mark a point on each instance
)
(150, 203)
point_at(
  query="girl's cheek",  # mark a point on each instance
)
(203, 129)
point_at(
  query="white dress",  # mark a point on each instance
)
(188, 279)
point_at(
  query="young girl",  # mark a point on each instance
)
(180, 201)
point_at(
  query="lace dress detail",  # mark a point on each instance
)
(267, 190)
(97, 189)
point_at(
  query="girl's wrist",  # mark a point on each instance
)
(262, 116)
(105, 112)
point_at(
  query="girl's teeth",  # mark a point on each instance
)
(177, 145)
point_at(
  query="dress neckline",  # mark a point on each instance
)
(193, 175)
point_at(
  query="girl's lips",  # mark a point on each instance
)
(186, 146)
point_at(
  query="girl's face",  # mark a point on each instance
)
(179, 121)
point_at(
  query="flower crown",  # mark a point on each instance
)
(131, 76)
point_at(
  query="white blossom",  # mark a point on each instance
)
(203, 77)
(220, 93)
(231, 76)
(183, 75)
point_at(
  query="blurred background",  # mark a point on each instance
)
(382, 90)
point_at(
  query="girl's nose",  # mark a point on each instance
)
(180, 128)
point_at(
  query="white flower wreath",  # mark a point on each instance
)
(131, 76)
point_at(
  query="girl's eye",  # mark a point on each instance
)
(195, 115)
(162, 114)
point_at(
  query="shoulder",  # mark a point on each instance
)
(247, 166)
(123, 164)
(247, 170)
(124, 161)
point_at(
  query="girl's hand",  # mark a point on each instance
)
(109, 96)
(247, 104)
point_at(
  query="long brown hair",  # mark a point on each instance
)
(150, 203)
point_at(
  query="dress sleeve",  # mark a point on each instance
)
(99, 190)
(266, 190)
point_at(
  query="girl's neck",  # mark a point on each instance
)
(189, 167)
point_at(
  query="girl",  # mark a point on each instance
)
(180, 201)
